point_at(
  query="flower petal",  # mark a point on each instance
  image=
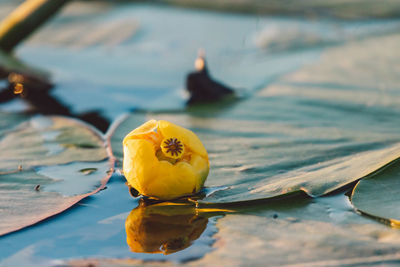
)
(140, 163)
(189, 139)
(174, 181)
(142, 130)
(201, 166)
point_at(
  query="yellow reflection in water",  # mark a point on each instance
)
(166, 227)
(18, 88)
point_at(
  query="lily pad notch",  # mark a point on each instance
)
(49, 150)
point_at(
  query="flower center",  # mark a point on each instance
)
(172, 147)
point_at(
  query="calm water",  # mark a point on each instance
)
(120, 58)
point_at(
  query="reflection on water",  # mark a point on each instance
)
(166, 227)
(36, 90)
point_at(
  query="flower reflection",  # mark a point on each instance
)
(166, 227)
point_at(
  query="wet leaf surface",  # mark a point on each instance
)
(40, 167)
(378, 196)
(303, 239)
(260, 149)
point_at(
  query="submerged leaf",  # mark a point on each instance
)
(41, 168)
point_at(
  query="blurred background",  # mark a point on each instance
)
(104, 58)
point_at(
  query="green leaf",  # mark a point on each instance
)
(292, 137)
(252, 166)
(303, 241)
(44, 167)
(378, 196)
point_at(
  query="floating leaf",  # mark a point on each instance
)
(243, 156)
(294, 139)
(379, 195)
(41, 168)
(301, 241)
(8, 121)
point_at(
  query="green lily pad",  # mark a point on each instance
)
(378, 196)
(243, 162)
(42, 167)
(290, 138)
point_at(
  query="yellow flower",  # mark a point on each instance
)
(164, 161)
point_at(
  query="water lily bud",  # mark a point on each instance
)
(164, 161)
